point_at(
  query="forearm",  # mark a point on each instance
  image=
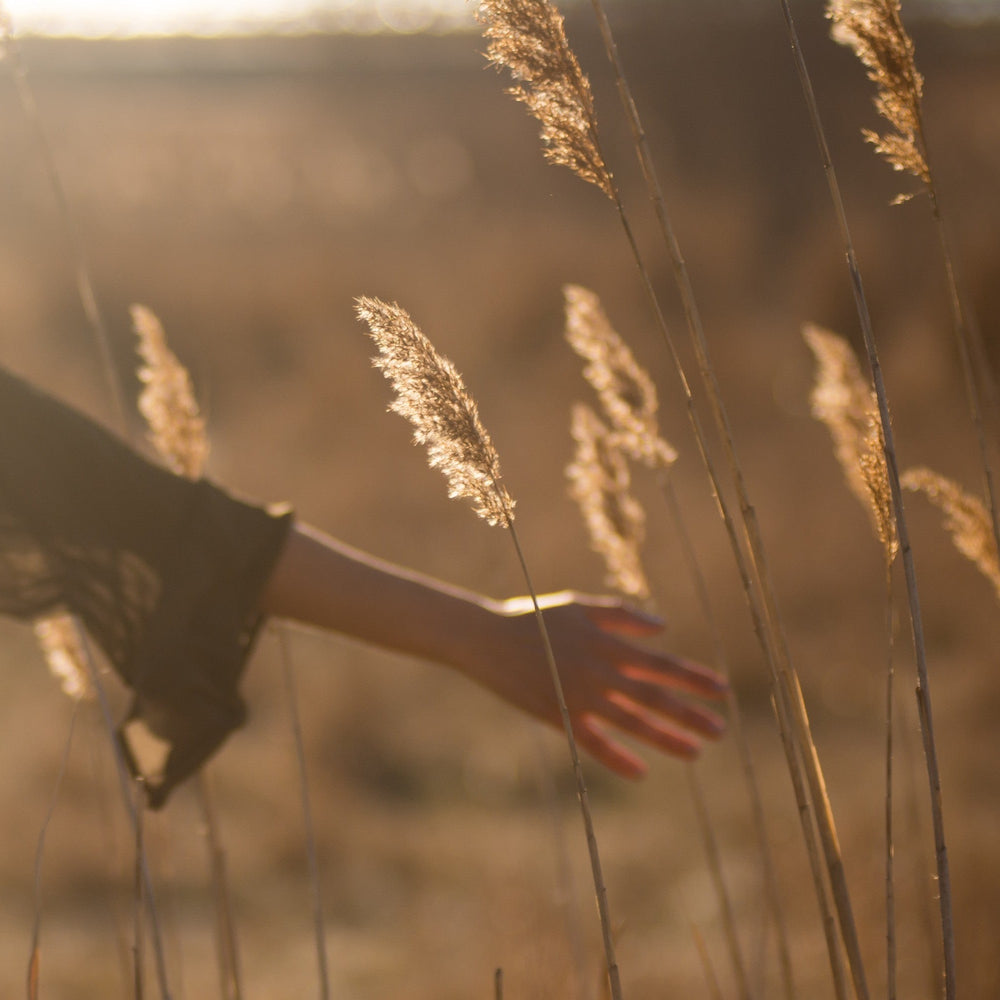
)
(325, 583)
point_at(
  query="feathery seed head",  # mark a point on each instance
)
(625, 390)
(844, 401)
(874, 31)
(599, 483)
(59, 636)
(432, 396)
(167, 400)
(528, 38)
(966, 519)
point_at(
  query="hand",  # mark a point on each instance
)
(607, 679)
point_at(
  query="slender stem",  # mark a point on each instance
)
(711, 979)
(230, 984)
(133, 810)
(36, 927)
(739, 735)
(84, 284)
(890, 883)
(721, 889)
(789, 701)
(140, 855)
(312, 855)
(600, 888)
(906, 552)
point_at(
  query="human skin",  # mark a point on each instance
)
(610, 681)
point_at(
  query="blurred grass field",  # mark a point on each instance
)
(247, 191)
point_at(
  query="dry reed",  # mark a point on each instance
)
(600, 483)
(843, 399)
(167, 400)
(625, 390)
(529, 39)
(432, 396)
(793, 721)
(966, 519)
(892, 467)
(875, 33)
(61, 640)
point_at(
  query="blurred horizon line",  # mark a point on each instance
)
(123, 20)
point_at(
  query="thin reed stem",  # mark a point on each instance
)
(133, 810)
(906, 552)
(498, 985)
(84, 283)
(711, 979)
(139, 935)
(789, 702)
(312, 855)
(36, 926)
(890, 842)
(772, 893)
(600, 887)
(707, 831)
(230, 981)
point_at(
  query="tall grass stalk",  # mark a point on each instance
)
(74, 243)
(711, 979)
(177, 432)
(843, 400)
(226, 943)
(312, 855)
(36, 926)
(774, 903)
(599, 481)
(547, 83)
(906, 552)
(432, 396)
(874, 30)
(139, 935)
(890, 838)
(134, 813)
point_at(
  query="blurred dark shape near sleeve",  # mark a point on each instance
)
(165, 573)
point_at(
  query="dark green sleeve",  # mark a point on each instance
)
(165, 573)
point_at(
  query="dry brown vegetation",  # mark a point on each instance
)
(248, 192)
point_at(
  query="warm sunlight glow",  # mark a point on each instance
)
(123, 18)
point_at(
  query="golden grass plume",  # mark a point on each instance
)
(599, 482)
(966, 519)
(626, 392)
(167, 400)
(528, 38)
(843, 400)
(62, 645)
(874, 31)
(430, 394)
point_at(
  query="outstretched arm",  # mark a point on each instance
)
(608, 679)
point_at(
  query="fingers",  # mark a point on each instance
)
(607, 751)
(685, 675)
(655, 698)
(634, 720)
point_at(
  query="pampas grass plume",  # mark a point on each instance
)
(625, 390)
(431, 395)
(528, 38)
(874, 31)
(167, 400)
(966, 519)
(843, 400)
(62, 644)
(599, 483)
